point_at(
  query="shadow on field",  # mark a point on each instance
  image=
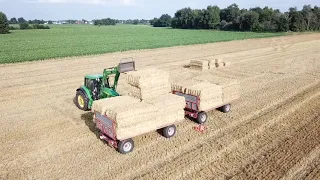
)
(75, 101)
(88, 119)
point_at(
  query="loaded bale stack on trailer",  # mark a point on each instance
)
(149, 108)
(210, 95)
(230, 87)
(201, 95)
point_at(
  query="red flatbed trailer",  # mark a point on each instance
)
(193, 104)
(107, 130)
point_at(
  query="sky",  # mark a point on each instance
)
(125, 9)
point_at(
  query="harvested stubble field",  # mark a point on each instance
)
(272, 132)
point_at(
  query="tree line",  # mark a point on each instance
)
(233, 18)
(22, 20)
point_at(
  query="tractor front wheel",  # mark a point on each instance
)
(82, 101)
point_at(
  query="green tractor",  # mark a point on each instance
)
(97, 86)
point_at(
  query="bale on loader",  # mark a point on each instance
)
(147, 76)
(147, 92)
(148, 83)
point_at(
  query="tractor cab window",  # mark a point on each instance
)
(89, 84)
(106, 83)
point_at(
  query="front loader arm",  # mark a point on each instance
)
(116, 79)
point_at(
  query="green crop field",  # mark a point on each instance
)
(79, 40)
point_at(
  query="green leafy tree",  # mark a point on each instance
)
(135, 22)
(309, 17)
(24, 26)
(231, 13)
(13, 21)
(50, 22)
(249, 21)
(4, 24)
(316, 12)
(297, 22)
(283, 23)
(163, 21)
(213, 16)
(21, 20)
(104, 22)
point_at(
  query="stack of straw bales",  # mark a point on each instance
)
(230, 87)
(231, 91)
(180, 86)
(210, 94)
(133, 118)
(202, 65)
(127, 113)
(148, 83)
(199, 65)
(218, 63)
(149, 106)
(170, 108)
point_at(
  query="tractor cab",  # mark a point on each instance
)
(93, 84)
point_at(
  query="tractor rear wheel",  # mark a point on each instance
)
(125, 146)
(82, 101)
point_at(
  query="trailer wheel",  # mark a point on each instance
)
(169, 131)
(226, 108)
(125, 146)
(202, 117)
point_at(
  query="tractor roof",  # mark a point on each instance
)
(93, 76)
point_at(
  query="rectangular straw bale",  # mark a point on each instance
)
(181, 84)
(127, 116)
(205, 90)
(103, 105)
(123, 87)
(231, 91)
(168, 102)
(198, 68)
(151, 125)
(146, 92)
(149, 75)
(209, 104)
(199, 65)
(199, 62)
